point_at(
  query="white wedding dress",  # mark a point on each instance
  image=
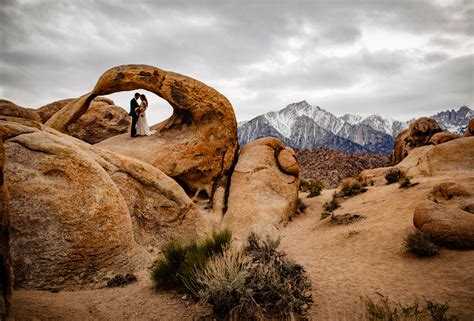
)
(142, 123)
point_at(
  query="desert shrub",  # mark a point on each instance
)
(258, 283)
(177, 268)
(121, 280)
(352, 187)
(405, 182)
(394, 176)
(301, 206)
(421, 245)
(312, 186)
(325, 214)
(384, 310)
(332, 204)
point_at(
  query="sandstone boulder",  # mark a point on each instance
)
(467, 206)
(81, 214)
(45, 112)
(470, 128)
(443, 137)
(448, 190)
(418, 134)
(6, 271)
(101, 121)
(400, 147)
(196, 145)
(449, 226)
(263, 191)
(7, 108)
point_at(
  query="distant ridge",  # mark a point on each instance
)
(301, 125)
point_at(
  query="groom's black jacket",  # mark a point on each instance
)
(133, 105)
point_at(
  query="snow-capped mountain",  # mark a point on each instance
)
(301, 125)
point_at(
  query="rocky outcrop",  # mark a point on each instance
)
(448, 226)
(45, 112)
(81, 214)
(196, 145)
(6, 271)
(263, 190)
(448, 190)
(7, 108)
(418, 134)
(101, 121)
(470, 129)
(467, 206)
(331, 166)
(442, 137)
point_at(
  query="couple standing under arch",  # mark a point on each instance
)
(138, 114)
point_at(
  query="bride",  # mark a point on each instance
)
(142, 123)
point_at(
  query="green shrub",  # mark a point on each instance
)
(352, 187)
(332, 204)
(177, 268)
(421, 245)
(258, 283)
(384, 310)
(394, 176)
(311, 186)
(301, 206)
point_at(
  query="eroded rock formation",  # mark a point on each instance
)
(80, 213)
(442, 137)
(8, 108)
(470, 128)
(451, 227)
(264, 188)
(196, 145)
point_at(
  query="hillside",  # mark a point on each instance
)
(332, 166)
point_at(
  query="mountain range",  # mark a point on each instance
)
(301, 125)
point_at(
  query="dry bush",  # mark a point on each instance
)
(312, 186)
(351, 187)
(394, 175)
(421, 245)
(301, 206)
(331, 205)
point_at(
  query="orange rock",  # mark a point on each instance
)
(443, 137)
(470, 128)
(7, 108)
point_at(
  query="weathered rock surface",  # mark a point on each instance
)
(45, 112)
(470, 128)
(442, 137)
(6, 271)
(418, 134)
(449, 226)
(80, 213)
(7, 108)
(467, 206)
(262, 193)
(448, 190)
(196, 145)
(101, 121)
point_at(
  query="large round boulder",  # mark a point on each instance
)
(196, 145)
(448, 226)
(48, 110)
(264, 188)
(80, 214)
(442, 137)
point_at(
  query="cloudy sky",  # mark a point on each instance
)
(396, 58)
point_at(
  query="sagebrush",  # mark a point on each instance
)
(311, 186)
(421, 245)
(352, 187)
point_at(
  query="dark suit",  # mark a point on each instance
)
(133, 114)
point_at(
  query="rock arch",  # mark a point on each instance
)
(196, 145)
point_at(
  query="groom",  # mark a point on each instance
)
(133, 105)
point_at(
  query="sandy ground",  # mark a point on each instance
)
(344, 263)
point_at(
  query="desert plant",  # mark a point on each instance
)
(394, 176)
(258, 283)
(405, 182)
(332, 204)
(325, 214)
(177, 268)
(352, 187)
(312, 186)
(420, 244)
(121, 280)
(384, 310)
(301, 206)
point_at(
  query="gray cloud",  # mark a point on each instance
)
(261, 55)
